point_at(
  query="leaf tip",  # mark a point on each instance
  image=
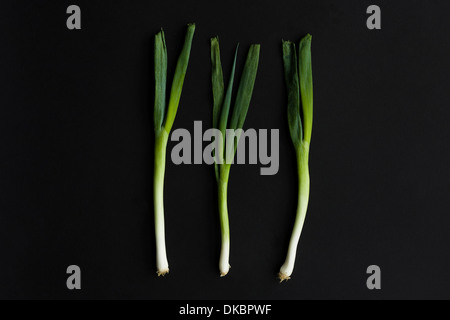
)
(307, 38)
(214, 40)
(191, 26)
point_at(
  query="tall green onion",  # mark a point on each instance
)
(163, 121)
(226, 149)
(298, 77)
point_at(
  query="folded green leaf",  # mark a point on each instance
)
(160, 80)
(245, 90)
(293, 90)
(178, 79)
(306, 85)
(217, 80)
(224, 114)
(243, 97)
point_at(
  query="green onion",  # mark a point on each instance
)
(163, 122)
(221, 121)
(298, 77)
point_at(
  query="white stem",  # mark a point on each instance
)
(288, 267)
(162, 265)
(224, 260)
(303, 197)
(224, 264)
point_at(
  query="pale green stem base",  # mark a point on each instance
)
(302, 206)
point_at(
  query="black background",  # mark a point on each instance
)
(76, 152)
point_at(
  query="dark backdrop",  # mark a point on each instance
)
(76, 149)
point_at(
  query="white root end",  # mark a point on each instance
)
(283, 276)
(162, 265)
(223, 273)
(224, 264)
(287, 268)
(162, 272)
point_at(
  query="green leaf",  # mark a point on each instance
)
(226, 110)
(227, 100)
(242, 101)
(178, 79)
(160, 79)
(306, 85)
(245, 90)
(293, 90)
(243, 97)
(222, 117)
(217, 80)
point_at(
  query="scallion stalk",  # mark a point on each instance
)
(298, 77)
(221, 121)
(163, 122)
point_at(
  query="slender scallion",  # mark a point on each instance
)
(163, 121)
(298, 77)
(226, 149)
